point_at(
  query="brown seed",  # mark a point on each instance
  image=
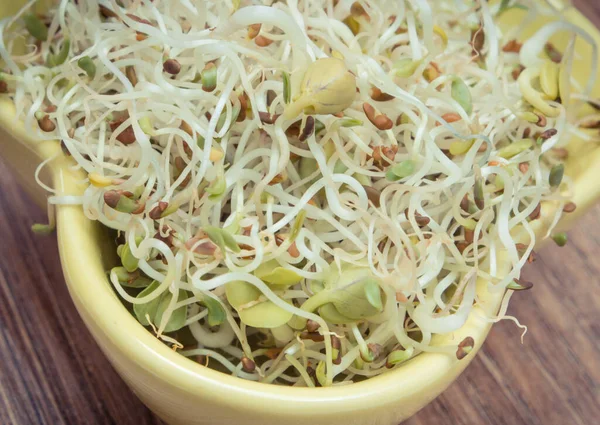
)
(313, 336)
(180, 163)
(187, 128)
(312, 326)
(308, 129)
(169, 235)
(469, 235)
(253, 30)
(336, 344)
(273, 353)
(46, 124)
(64, 149)
(131, 75)
(112, 197)
(553, 53)
(106, 12)
(477, 41)
(524, 167)
(524, 284)
(279, 178)
(465, 348)
(171, 66)
(3, 86)
(517, 71)
(383, 155)
(375, 350)
(461, 246)
(357, 9)
(267, 118)
(248, 365)
(205, 248)
(526, 133)
(536, 213)
(421, 220)
(401, 298)
(292, 249)
(156, 212)
(138, 19)
(271, 95)
(243, 98)
(570, 207)
(432, 72)
(262, 41)
(379, 96)
(548, 134)
(464, 204)
(521, 247)
(127, 136)
(50, 108)
(373, 195)
(513, 46)
(381, 121)
(542, 121)
(591, 125)
(140, 37)
(450, 117)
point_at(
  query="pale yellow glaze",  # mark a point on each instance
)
(183, 392)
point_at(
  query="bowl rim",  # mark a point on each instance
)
(80, 266)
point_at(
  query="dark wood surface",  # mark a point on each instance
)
(51, 371)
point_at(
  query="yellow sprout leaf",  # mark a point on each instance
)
(461, 147)
(328, 87)
(244, 297)
(272, 273)
(533, 96)
(99, 181)
(549, 79)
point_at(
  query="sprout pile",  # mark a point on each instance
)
(306, 191)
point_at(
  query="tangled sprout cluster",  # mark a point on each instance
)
(306, 191)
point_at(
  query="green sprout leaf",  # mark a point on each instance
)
(222, 238)
(272, 273)
(348, 297)
(515, 148)
(36, 27)
(287, 88)
(556, 175)
(405, 68)
(217, 187)
(155, 309)
(216, 312)
(59, 58)
(42, 229)
(88, 66)
(245, 298)
(462, 95)
(130, 263)
(131, 280)
(401, 170)
(373, 293)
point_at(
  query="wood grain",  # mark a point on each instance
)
(51, 371)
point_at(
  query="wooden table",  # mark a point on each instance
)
(51, 371)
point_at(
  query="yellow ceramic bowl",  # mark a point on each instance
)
(183, 392)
